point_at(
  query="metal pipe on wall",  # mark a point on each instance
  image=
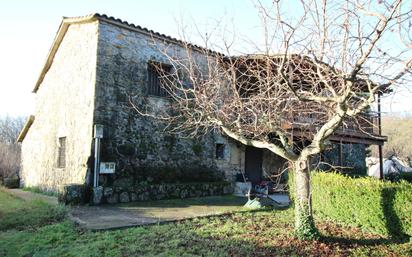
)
(96, 162)
(98, 134)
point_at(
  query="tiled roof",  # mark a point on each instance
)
(151, 32)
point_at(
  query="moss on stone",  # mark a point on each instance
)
(197, 149)
(167, 174)
(170, 142)
(126, 149)
(144, 147)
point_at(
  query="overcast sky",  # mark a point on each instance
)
(27, 29)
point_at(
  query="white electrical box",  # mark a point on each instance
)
(98, 131)
(107, 167)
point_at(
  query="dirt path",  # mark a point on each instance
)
(30, 196)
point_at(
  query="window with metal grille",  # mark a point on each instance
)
(156, 75)
(61, 153)
(220, 151)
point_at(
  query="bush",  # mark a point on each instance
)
(374, 205)
(11, 182)
(406, 176)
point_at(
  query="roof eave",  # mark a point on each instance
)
(61, 32)
(25, 129)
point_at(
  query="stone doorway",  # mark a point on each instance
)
(253, 164)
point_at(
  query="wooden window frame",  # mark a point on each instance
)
(154, 87)
(61, 152)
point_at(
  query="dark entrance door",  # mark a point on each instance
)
(253, 164)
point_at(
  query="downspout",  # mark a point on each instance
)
(96, 162)
(380, 133)
(98, 134)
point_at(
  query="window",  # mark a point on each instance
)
(157, 71)
(61, 153)
(220, 151)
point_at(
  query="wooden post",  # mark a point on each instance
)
(341, 156)
(380, 133)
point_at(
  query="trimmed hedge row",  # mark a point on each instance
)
(381, 207)
(406, 176)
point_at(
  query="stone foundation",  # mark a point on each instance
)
(136, 193)
(72, 194)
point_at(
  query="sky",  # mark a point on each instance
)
(28, 27)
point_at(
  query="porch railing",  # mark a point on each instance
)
(365, 124)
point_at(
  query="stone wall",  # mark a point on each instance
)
(64, 108)
(95, 71)
(233, 161)
(133, 142)
(144, 192)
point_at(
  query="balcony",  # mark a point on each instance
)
(364, 129)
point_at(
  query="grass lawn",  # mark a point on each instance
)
(40, 230)
(18, 214)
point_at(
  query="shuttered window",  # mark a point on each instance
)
(61, 153)
(157, 71)
(220, 151)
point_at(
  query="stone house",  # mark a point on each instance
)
(94, 65)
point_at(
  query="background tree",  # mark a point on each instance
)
(397, 129)
(318, 69)
(10, 128)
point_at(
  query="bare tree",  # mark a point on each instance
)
(397, 129)
(317, 71)
(10, 128)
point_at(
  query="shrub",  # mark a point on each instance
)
(11, 182)
(406, 176)
(374, 205)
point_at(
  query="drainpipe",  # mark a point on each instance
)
(98, 134)
(380, 133)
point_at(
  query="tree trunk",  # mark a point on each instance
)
(304, 224)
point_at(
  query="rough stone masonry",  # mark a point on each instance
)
(95, 66)
(98, 64)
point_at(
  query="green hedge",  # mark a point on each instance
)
(406, 176)
(376, 206)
